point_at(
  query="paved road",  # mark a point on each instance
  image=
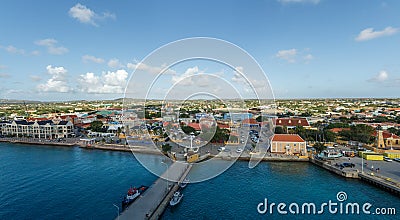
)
(387, 169)
(148, 202)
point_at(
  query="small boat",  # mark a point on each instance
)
(330, 153)
(176, 198)
(184, 183)
(132, 194)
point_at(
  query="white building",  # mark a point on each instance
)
(37, 129)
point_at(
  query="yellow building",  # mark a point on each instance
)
(290, 144)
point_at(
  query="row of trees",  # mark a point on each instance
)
(361, 133)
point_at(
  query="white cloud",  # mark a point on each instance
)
(4, 75)
(185, 79)
(288, 55)
(14, 50)
(299, 1)
(308, 58)
(380, 77)
(51, 45)
(57, 50)
(109, 82)
(87, 16)
(150, 69)
(369, 33)
(57, 82)
(35, 78)
(114, 63)
(35, 53)
(49, 42)
(90, 58)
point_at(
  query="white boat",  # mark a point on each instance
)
(176, 198)
(184, 183)
(330, 153)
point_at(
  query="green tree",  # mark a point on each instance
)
(279, 130)
(166, 148)
(188, 130)
(319, 147)
(96, 126)
(330, 136)
(361, 133)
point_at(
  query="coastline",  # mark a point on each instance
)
(377, 181)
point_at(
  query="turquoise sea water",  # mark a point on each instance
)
(39, 182)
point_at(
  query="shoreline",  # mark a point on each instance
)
(381, 182)
(26, 142)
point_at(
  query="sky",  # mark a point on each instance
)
(74, 50)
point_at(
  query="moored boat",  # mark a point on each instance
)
(132, 194)
(176, 199)
(330, 153)
(184, 183)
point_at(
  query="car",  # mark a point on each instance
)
(345, 164)
(221, 149)
(387, 159)
(239, 150)
(397, 159)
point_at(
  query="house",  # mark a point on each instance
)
(291, 123)
(386, 140)
(196, 126)
(290, 144)
(38, 129)
(250, 122)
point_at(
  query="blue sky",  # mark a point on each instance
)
(71, 50)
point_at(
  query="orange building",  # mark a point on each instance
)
(290, 144)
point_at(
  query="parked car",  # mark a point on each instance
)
(343, 165)
(387, 159)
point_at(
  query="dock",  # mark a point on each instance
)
(346, 172)
(153, 202)
(382, 182)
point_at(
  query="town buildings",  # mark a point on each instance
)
(47, 129)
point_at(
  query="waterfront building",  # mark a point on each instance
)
(291, 123)
(290, 144)
(38, 129)
(387, 140)
(237, 117)
(250, 122)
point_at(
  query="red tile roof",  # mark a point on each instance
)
(251, 121)
(287, 138)
(386, 135)
(291, 122)
(223, 126)
(196, 126)
(337, 130)
(37, 119)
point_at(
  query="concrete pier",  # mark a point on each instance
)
(152, 203)
(386, 184)
(346, 172)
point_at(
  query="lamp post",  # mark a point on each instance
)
(191, 140)
(117, 209)
(362, 162)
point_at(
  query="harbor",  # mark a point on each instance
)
(152, 203)
(359, 170)
(108, 174)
